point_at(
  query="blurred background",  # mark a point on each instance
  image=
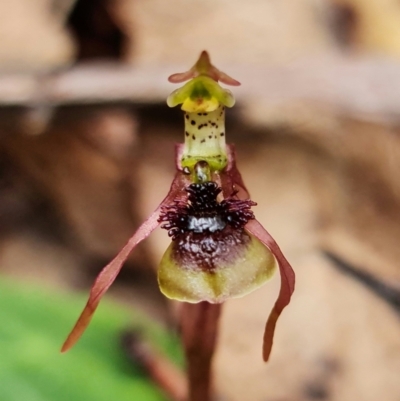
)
(86, 153)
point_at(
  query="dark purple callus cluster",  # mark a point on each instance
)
(202, 213)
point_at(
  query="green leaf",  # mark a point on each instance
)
(33, 324)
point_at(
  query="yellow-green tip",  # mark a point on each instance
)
(203, 92)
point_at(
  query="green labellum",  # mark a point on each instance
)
(215, 266)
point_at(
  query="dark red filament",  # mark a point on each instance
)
(202, 213)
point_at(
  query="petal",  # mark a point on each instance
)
(287, 283)
(226, 79)
(110, 272)
(181, 76)
(203, 66)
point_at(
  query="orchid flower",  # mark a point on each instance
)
(218, 249)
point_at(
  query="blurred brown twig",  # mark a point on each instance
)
(368, 88)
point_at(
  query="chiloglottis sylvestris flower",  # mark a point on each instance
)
(218, 249)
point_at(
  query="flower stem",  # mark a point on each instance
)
(199, 326)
